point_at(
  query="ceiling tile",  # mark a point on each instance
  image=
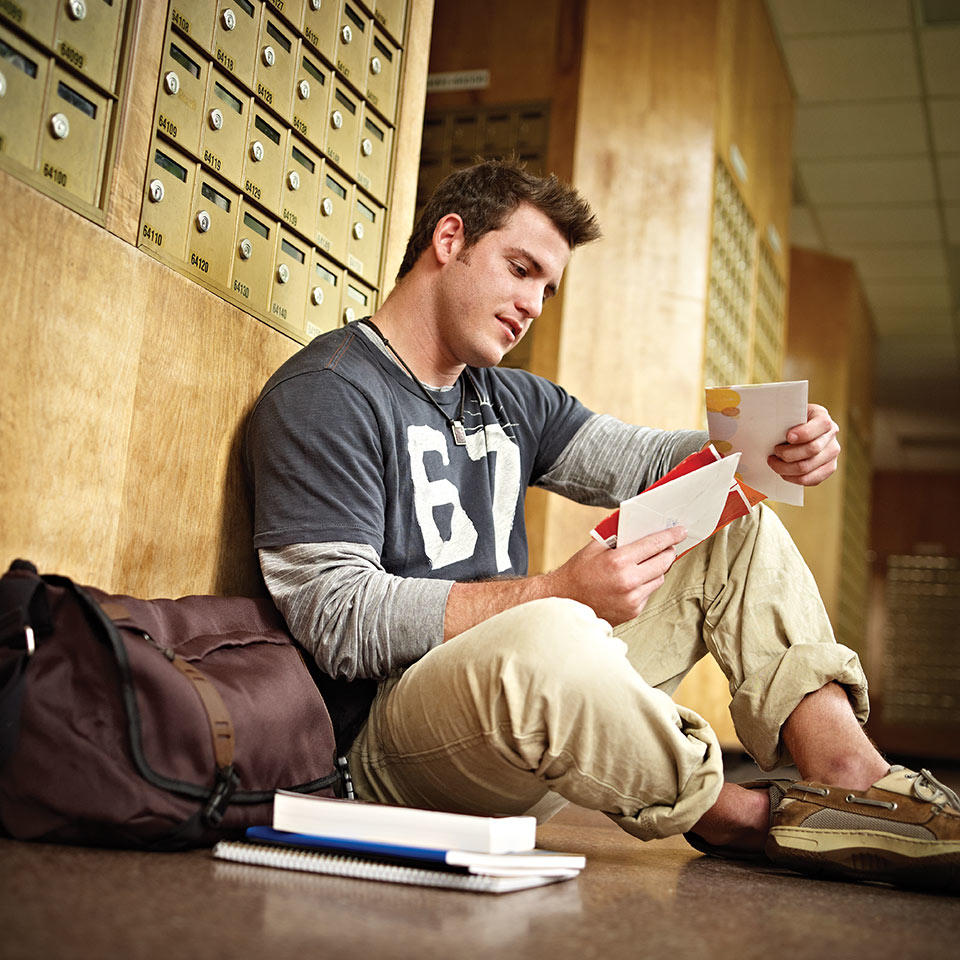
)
(870, 226)
(825, 131)
(941, 64)
(912, 323)
(888, 180)
(945, 119)
(897, 263)
(867, 66)
(921, 295)
(949, 169)
(828, 16)
(952, 214)
(803, 229)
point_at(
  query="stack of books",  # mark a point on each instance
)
(348, 838)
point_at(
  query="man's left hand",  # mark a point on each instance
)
(810, 454)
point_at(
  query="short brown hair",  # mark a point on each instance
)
(486, 194)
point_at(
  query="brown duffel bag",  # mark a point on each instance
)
(150, 723)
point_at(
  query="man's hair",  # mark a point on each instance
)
(486, 194)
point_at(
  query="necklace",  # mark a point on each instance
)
(456, 425)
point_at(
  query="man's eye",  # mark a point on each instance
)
(519, 269)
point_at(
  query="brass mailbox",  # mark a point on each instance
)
(333, 213)
(290, 10)
(37, 18)
(73, 136)
(23, 82)
(392, 15)
(323, 296)
(320, 19)
(343, 129)
(235, 33)
(167, 202)
(366, 237)
(183, 86)
(253, 256)
(264, 159)
(288, 297)
(276, 63)
(87, 37)
(194, 18)
(353, 38)
(223, 133)
(383, 72)
(311, 97)
(211, 231)
(356, 300)
(300, 190)
(373, 155)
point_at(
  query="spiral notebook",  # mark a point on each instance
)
(335, 865)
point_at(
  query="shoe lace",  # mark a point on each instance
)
(933, 790)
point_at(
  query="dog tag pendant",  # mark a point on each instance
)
(459, 434)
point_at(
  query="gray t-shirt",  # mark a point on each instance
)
(343, 446)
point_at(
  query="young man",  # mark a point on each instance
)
(390, 461)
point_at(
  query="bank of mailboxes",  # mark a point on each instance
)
(54, 107)
(270, 167)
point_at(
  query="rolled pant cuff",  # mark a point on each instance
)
(764, 702)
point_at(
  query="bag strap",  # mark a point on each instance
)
(221, 726)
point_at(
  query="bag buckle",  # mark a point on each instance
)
(227, 782)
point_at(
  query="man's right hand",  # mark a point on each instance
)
(618, 583)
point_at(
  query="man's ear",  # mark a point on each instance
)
(448, 237)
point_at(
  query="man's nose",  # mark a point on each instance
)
(531, 303)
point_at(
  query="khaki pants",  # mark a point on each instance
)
(544, 703)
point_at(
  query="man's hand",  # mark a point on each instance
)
(810, 454)
(618, 583)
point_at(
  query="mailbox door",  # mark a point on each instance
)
(194, 18)
(333, 214)
(235, 33)
(323, 296)
(373, 156)
(356, 300)
(37, 18)
(320, 19)
(253, 256)
(23, 82)
(73, 137)
(212, 231)
(353, 39)
(276, 63)
(264, 158)
(183, 88)
(288, 298)
(301, 188)
(168, 200)
(366, 236)
(311, 97)
(383, 72)
(392, 15)
(343, 128)
(87, 35)
(223, 133)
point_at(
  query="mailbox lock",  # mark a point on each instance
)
(3, 85)
(216, 118)
(337, 119)
(77, 9)
(349, 315)
(283, 273)
(315, 4)
(229, 19)
(269, 56)
(203, 221)
(375, 66)
(346, 34)
(59, 126)
(326, 207)
(171, 83)
(303, 88)
(358, 231)
(316, 295)
(293, 180)
(366, 146)
(246, 249)
(256, 151)
(156, 191)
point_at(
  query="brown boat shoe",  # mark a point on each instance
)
(905, 829)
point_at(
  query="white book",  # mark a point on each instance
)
(382, 823)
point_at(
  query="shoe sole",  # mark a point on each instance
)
(867, 855)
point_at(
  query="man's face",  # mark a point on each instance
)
(491, 292)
